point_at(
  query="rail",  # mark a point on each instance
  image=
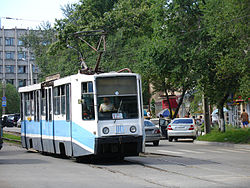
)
(12, 133)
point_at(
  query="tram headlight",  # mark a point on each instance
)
(105, 130)
(132, 129)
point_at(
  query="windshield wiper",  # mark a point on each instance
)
(118, 110)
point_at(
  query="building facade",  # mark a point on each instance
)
(17, 63)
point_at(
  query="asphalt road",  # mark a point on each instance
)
(177, 164)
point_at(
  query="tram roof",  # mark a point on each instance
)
(30, 88)
(68, 79)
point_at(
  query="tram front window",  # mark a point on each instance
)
(117, 98)
(118, 107)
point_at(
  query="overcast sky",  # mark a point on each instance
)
(32, 12)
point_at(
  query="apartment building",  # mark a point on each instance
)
(17, 63)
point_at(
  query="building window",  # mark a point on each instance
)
(9, 55)
(9, 41)
(21, 69)
(21, 83)
(1, 68)
(0, 40)
(9, 69)
(34, 68)
(21, 55)
(32, 56)
(10, 81)
(20, 43)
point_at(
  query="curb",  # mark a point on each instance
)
(225, 144)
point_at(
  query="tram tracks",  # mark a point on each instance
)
(146, 165)
(128, 175)
(12, 139)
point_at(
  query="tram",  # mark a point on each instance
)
(83, 115)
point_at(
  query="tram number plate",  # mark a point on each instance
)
(117, 116)
(119, 129)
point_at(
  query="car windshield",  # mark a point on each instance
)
(148, 124)
(182, 121)
(11, 117)
(117, 98)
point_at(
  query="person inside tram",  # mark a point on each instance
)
(106, 106)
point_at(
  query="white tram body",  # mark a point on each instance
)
(63, 116)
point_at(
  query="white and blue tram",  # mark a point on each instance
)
(63, 116)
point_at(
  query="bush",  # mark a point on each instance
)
(232, 135)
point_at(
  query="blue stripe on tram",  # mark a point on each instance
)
(61, 129)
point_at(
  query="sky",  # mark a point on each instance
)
(30, 13)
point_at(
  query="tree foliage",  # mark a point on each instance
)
(177, 45)
(13, 99)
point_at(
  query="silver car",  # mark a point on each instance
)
(182, 128)
(153, 133)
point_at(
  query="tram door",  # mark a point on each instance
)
(47, 120)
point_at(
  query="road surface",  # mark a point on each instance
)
(176, 164)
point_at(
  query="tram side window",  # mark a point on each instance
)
(87, 101)
(43, 103)
(27, 104)
(37, 109)
(22, 106)
(32, 103)
(57, 100)
(63, 98)
(67, 101)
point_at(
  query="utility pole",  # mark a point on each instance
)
(206, 114)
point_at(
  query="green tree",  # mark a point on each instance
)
(222, 51)
(170, 52)
(13, 99)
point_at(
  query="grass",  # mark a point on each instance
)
(11, 136)
(232, 135)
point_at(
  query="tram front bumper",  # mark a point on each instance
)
(119, 145)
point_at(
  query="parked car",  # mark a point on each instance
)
(153, 133)
(155, 121)
(8, 120)
(16, 118)
(182, 128)
(19, 122)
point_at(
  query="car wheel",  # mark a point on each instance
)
(156, 143)
(170, 139)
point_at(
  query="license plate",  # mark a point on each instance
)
(180, 127)
(119, 129)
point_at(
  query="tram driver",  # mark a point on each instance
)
(106, 106)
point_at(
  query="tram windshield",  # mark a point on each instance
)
(117, 98)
